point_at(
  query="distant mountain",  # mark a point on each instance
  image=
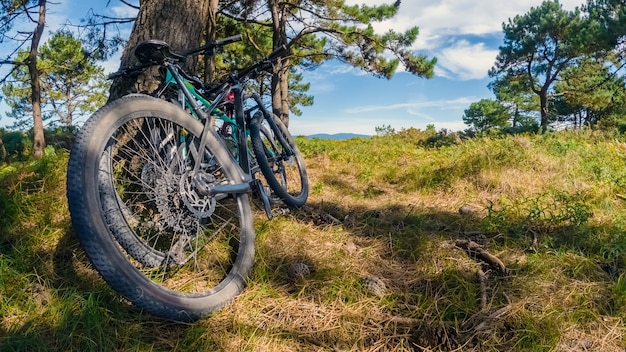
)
(338, 136)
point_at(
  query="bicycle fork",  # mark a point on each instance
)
(206, 188)
(244, 160)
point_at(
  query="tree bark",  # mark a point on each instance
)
(39, 142)
(210, 31)
(280, 90)
(180, 23)
(543, 106)
(280, 73)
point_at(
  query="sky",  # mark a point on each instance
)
(464, 36)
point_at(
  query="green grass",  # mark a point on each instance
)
(550, 207)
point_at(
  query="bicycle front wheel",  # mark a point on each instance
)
(151, 232)
(283, 169)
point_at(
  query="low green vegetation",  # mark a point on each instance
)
(401, 211)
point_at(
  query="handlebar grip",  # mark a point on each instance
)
(213, 45)
(228, 40)
(129, 70)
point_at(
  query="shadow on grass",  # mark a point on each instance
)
(441, 307)
(68, 307)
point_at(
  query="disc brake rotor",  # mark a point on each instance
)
(199, 205)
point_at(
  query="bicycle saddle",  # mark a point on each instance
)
(155, 51)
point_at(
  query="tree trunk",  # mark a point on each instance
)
(69, 117)
(39, 142)
(211, 30)
(280, 90)
(3, 152)
(543, 106)
(280, 73)
(180, 23)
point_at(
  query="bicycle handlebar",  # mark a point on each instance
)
(266, 61)
(128, 71)
(261, 65)
(164, 52)
(228, 40)
(212, 45)
(250, 71)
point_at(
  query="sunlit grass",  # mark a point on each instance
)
(551, 207)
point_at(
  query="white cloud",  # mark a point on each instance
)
(331, 69)
(311, 125)
(465, 61)
(415, 106)
(321, 86)
(456, 16)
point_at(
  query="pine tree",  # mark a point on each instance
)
(72, 85)
(486, 114)
(538, 47)
(321, 30)
(12, 11)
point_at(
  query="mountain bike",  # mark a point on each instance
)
(158, 200)
(272, 149)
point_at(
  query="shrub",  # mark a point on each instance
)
(16, 144)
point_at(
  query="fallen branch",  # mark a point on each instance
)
(474, 249)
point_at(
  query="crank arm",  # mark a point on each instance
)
(239, 188)
(231, 189)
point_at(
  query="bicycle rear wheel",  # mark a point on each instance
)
(284, 171)
(148, 229)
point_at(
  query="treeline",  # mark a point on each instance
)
(72, 83)
(17, 146)
(554, 65)
(558, 69)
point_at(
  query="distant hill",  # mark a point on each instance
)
(338, 136)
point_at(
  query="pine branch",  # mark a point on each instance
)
(245, 20)
(129, 4)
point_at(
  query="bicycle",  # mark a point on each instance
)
(159, 202)
(281, 163)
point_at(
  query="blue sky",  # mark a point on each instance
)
(464, 35)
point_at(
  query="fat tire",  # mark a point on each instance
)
(103, 230)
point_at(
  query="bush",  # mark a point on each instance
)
(443, 138)
(16, 144)
(61, 137)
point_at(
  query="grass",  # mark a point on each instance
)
(550, 207)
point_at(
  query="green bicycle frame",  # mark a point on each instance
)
(219, 114)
